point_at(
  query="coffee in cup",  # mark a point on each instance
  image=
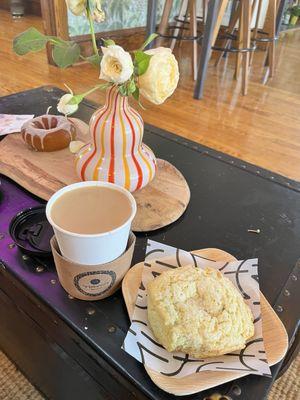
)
(91, 221)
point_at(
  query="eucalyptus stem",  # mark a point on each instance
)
(92, 28)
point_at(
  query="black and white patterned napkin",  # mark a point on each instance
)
(141, 344)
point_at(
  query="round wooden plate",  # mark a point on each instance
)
(274, 332)
(163, 200)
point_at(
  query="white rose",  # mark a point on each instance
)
(161, 78)
(77, 7)
(116, 64)
(63, 106)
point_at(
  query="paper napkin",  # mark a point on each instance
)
(142, 345)
(10, 123)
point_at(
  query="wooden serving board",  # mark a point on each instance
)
(275, 336)
(159, 204)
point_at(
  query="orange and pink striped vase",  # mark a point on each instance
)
(116, 153)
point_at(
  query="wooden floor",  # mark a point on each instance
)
(262, 128)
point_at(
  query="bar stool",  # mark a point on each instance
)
(213, 15)
(185, 28)
(258, 35)
(241, 14)
(270, 37)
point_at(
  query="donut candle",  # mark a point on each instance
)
(48, 132)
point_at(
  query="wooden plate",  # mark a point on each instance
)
(159, 204)
(275, 336)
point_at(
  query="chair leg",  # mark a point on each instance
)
(212, 13)
(246, 17)
(280, 7)
(260, 3)
(182, 13)
(272, 35)
(222, 9)
(193, 32)
(164, 23)
(238, 60)
(230, 30)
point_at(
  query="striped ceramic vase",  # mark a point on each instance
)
(116, 153)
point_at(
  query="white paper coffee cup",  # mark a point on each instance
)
(91, 249)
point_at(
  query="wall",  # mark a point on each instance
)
(120, 14)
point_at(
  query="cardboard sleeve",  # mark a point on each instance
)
(92, 282)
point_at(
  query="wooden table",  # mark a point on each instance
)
(70, 349)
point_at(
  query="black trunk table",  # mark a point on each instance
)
(71, 349)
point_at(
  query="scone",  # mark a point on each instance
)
(198, 312)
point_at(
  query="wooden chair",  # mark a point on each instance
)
(257, 34)
(213, 7)
(244, 37)
(186, 21)
(241, 15)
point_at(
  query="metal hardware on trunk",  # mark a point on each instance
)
(90, 311)
(111, 329)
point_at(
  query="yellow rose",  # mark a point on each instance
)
(161, 78)
(77, 7)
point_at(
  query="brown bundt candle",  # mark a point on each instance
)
(48, 132)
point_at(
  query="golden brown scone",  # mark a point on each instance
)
(199, 312)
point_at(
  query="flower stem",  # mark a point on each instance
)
(101, 86)
(91, 22)
(77, 98)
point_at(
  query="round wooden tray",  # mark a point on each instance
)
(274, 332)
(163, 200)
(159, 204)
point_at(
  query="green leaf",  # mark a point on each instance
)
(149, 40)
(131, 87)
(123, 90)
(141, 61)
(94, 60)
(65, 54)
(30, 40)
(108, 42)
(136, 94)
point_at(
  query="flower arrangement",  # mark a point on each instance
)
(151, 73)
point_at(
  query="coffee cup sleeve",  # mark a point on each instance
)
(92, 282)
